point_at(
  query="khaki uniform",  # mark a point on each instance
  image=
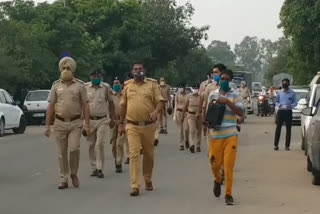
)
(118, 142)
(68, 100)
(194, 120)
(244, 92)
(141, 100)
(99, 101)
(180, 101)
(165, 92)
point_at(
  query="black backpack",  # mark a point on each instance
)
(215, 114)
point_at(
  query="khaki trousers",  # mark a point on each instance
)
(194, 131)
(96, 140)
(68, 136)
(182, 128)
(156, 133)
(164, 118)
(118, 144)
(223, 152)
(140, 137)
(245, 106)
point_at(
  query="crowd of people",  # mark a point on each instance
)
(136, 111)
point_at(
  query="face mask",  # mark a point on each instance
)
(224, 85)
(162, 83)
(139, 75)
(285, 85)
(116, 88)
(181, 90)
(96, 81)
(216, 78)
(195, 91)
(66, 75)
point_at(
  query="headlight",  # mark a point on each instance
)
(260, 97)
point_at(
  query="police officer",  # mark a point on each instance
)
(67, 101)
(192, 108)
(140, 105)
(165, 92)
(118, 142)
(180, 118)
(101, 109)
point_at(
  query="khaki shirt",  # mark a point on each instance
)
(99, 99)
(244, 92)
(211, 87)
(203, 86)
(180, 100)
(68, 99)
(193, 105)
(165, 92)
(116, 100)
(141, 99)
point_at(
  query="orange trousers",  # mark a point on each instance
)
(223, 152)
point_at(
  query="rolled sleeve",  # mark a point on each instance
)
(84, 94)
(123, 101)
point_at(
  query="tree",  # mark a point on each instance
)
(221, 52)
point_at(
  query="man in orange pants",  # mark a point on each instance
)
(223, 144)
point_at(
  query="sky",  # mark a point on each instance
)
(232, 20)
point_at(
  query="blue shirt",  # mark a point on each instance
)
(286, 99)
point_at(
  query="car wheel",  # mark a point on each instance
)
(1, 127)
(309, 164)
(302, 143)
(22, 126)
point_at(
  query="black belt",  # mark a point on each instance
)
(96, 118)
(179, 109)
(68, 120)
(192, 113)
(144, 123)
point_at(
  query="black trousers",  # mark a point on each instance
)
(283, 116)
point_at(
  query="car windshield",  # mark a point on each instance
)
(301, 95)
(256, 87)
(37, 96)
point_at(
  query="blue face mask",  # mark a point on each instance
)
(224, 85)
(96, 81)
(116, 88)
(216, 78)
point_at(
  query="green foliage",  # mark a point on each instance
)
(221, 52)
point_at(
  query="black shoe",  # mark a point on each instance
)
(217, 189)
(156, 142)
(287, 148)
(276, 148)
(198, 149)
(141, 151)
(181, 148)
(192, 149)
(161, 131)
(165, 131)
(187, 144)
(119, 168)
(94, 173)
(100, 174)
(229, 200)
(127, 161)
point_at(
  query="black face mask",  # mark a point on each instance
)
(285, 85)
(140, 75)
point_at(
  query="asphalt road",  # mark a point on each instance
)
(265, 181)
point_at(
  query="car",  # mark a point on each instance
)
(1, 124)
(35, 106)
(12, 116)
(312, 99)
(250, 105)
(313, 143)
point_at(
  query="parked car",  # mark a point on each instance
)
(312, 99)
(1, 124)
(313, 143)
(12, 116)
(35, 106)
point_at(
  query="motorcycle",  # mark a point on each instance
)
(272, 106)
(262, 105)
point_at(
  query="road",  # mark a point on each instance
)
(265, 181)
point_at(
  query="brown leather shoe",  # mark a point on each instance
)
(134, 192)
(63, 185)
(149, 186)
(75, 181)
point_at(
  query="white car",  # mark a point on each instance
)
(35, 105)
(12, 116)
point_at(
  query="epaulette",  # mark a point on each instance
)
(87, 83)
(150, 79)
(128, 81)
(55, 82)
(80, 81)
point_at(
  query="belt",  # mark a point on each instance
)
(179, 109)
(68, 119)
(144, 123)
(96, 118)
(192, 113)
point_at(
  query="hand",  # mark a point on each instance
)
(47, 131)
(223, 100)
(87, 129)
(111, 124)
(153, 116)
(121, 130)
